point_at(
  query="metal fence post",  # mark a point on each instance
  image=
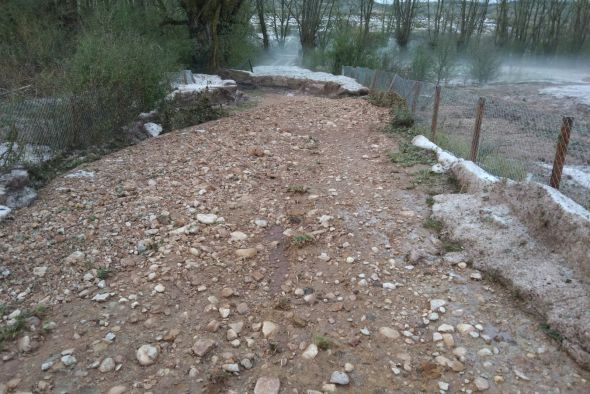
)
(416, 90)
(435, 112)
(561, 151)
(477, 129)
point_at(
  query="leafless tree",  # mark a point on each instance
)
(262, 22)
(435, 19)
(472, 16)
(404, 12)
(281, 14)
(579, 28)
(366, 10)
(309, 15)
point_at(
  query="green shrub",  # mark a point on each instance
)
(401, 118)
(388, 99)
(188, 110)
(484, 64)
(410, 155)
(421, 67)
(444, 59)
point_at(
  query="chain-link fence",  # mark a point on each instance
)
(515, 140)
(34, 129)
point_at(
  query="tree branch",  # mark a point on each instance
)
(173, 22)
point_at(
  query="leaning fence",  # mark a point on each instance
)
(508, 139)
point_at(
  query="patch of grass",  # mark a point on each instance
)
(387, 99)
(433, 224)
(424, 177)
(218, 377)
(430, 201)
(2, 310)
(488, 158)
(453, 182)
(451, 246)
(41, 174)
(401, 118)
(302, 240)
(322, 342)
(295, 217)
(503, 167)
(550, 332)
(283, 304)
(103, 272)
(40, 311)
(275, 347)
(410, 155)
(297, 189)
(8, 333)
(458, 145)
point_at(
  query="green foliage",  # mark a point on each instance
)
(444, 59)
(484, 61)
(433, 224)
(550, 332)
(503, 167)
(348, 45)
(115, 73)
(451, 246)
(103, 272)
(238, 40)
(421, 67)
(301, 240)
(401, 118)
(322, 342)
(10, 332)
(388, 99)
(410, 155)
(458, 145)
(188, 110)
(34, 35)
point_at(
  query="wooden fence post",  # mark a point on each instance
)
(416, 90)
(435, 112)
(561, 151)
(477, 129)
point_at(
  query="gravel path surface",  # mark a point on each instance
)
(275, 250)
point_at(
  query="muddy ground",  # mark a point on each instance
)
(281, 243)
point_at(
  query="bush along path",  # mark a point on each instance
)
(274, 250)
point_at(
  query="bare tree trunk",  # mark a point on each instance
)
(502, 23)
(405, 12)
(472, 17)
(435, 20)
(281, 17)
(262, 21)
(204, 19)
(579, 27)
(309, 15)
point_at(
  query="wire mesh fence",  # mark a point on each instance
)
(514, 140)
(35, 129)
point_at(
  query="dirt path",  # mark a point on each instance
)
(317, 237)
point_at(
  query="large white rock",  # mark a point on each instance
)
(310, 352)
(147, 354)
(207, 218)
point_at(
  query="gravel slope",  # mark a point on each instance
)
(208, 292)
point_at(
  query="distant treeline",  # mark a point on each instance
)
(78, 44)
